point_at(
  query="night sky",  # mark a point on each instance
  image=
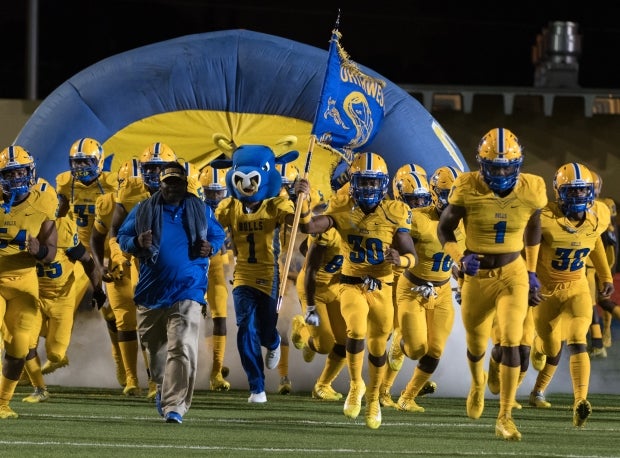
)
(487, 44)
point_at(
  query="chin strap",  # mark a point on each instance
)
(6, 206)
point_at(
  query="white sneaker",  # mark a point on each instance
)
(273, 358)
(258, 398)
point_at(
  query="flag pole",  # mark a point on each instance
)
(291, 243)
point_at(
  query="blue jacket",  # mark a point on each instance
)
(176, 273)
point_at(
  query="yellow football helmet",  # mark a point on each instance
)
(152, 161)
(290, 174)
(500, 158)
(130, 169)
(86, 159)
(214, 185)
(17, 172)
(405, 170)
(413, 189)
(598, 184)
(369, 180)
(573, 185)
(441, 183)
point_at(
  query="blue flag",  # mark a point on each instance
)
(351, 107)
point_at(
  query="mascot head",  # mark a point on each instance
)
(253, 175)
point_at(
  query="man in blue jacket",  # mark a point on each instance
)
(173, 234)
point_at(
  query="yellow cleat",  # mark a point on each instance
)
(598, 353)
(493, 382)
(537, 399)
(506, 429)
(475, 399)
(325, 393)
(373, 415)
(297, 326)
(38, 395)
(152, 392)
(407, 404)
(50, 367)
(131, 390)
(385, 398)
(285, 386)
(429, 388)
(353, 403)
(538, 360)
(516, 405)
(218, 383)
(581, 412)
(308, 354)
(396, 357)
(7, 412)
(121, 375)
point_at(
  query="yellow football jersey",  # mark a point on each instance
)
(256, 238)
(131, 191)
(56, 277)
(433, 264)
(366, 237)
(82, 199)
(24, 220)
(565, 246)
(332, 258)
(496, 224)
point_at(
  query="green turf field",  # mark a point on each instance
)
(96, 422)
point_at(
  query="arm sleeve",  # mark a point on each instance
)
(127, 235)
(215, 232)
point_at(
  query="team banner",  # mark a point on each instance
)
(352, 103)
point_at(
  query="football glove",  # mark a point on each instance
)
(470, 264)
(99, 298)
(312, 318)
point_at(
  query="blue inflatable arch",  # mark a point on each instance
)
(249, 86)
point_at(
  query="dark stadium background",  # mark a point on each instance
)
(430, 42)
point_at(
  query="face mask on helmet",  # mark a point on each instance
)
(369, 180)
(214, 185)
(413, 189)
(500, 158)
(152, 161)
(574, 188)
(86, 160)
(441, 183)
(17, 174)
(405, 170)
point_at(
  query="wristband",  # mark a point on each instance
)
(305, 218)
(409, 258)
(43, 250)
(452, 249)
(531, 257)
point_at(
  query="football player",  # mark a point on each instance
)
(28, 235)
(290, 174)
(424, 293)
(117, 276)
(58, 296)
(500, 208)
(571, 232)
(213, 182)
(375, 236)
(78, 190)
